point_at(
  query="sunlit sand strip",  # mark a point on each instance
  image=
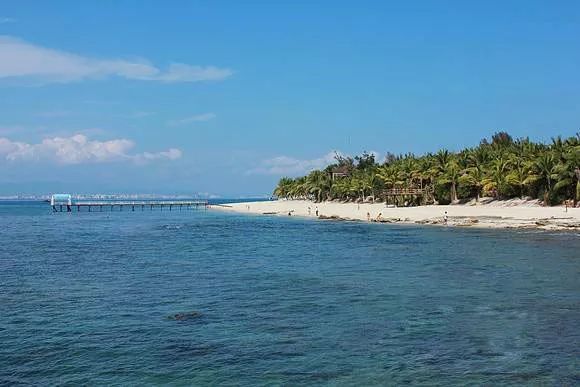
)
(493, 215)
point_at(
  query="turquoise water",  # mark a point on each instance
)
(85, 299)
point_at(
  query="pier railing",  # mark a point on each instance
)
(131, 205)
(405, 191)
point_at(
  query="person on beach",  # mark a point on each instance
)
(445, 218)
(309, 210)
(379, 217)
(316, 210)
(368, 216)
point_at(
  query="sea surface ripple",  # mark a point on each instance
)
(92, 298)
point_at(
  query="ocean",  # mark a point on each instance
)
(205, 297)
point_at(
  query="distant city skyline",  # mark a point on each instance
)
(225, 98)
(106, 196)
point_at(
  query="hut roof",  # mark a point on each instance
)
(342, 169)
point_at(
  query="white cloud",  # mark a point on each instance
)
(377, 156)
(179, 72)
(78, 149)
(5, 20)
(170, 154)
(289, 166)
(189, 120)
(23, 60)
(139, 114)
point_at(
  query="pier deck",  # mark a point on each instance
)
(131, 205)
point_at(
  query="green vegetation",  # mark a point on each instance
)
(502, 168)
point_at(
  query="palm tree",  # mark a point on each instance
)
(418, 174)
(284, 187)
(389, 175)
(519, 174)
(317, 183)
(366, 184)
(442, 158)
(373, 182)
(558, 147)
(475, 173)
(474, 176)
(568, 173)
(429, 173)
(508, 167)
(340, 189)
(446, 171)
(299, 189)
(496, 180)
(450, 175)
(544, 173)
(356, 187)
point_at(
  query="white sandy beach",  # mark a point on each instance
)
(497, 214)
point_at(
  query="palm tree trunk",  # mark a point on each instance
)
(453, 193)
(548, 192)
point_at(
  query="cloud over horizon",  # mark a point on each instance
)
(79, 149)
(4, 20)
(289, 166)
(293, 167)
(197, 118)
(22, 60)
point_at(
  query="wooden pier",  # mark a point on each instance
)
(118, 205)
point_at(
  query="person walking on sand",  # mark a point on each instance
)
(445, 218)
(316, 210)
(368, 216)
(309, 210)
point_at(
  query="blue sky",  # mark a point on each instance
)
(225, 97)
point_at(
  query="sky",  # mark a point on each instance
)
(225, 97)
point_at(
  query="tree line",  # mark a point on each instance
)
(502, 167)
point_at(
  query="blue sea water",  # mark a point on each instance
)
(86, 299)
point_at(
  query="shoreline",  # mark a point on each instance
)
(498, 215)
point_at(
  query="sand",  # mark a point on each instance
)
(488, 214)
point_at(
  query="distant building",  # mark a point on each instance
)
(56, 199)
(340, 171)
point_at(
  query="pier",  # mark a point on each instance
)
(64, 203)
